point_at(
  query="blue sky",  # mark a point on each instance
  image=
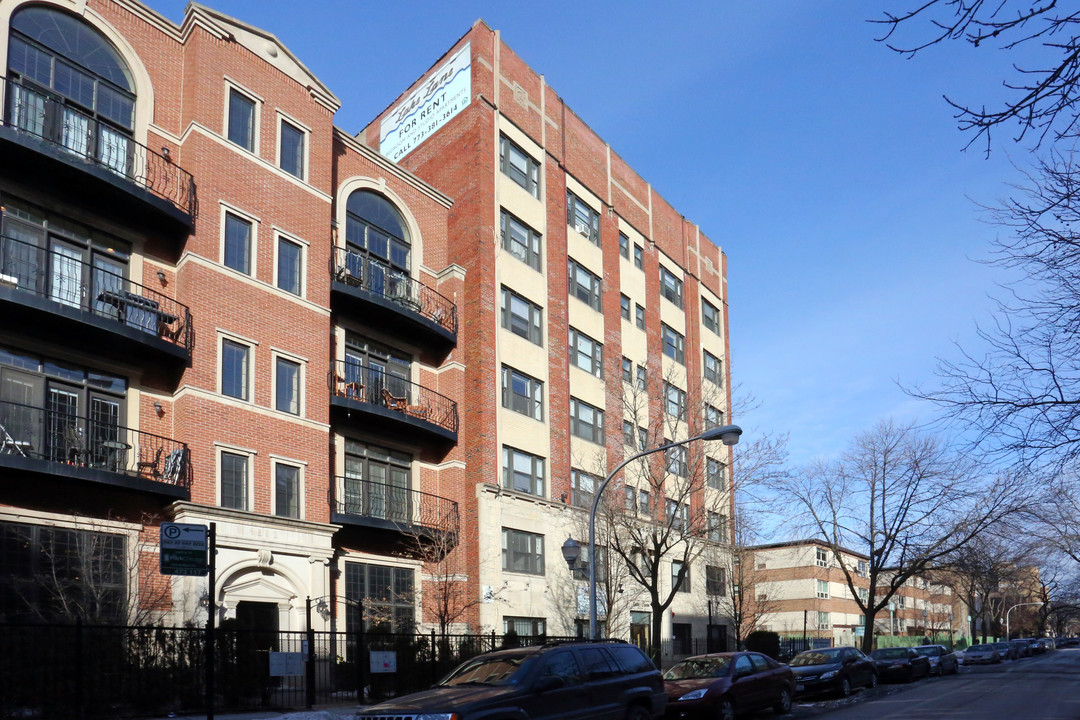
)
(828, 168)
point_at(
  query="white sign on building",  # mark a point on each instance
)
(442, 96)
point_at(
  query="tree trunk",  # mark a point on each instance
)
(656, 646)
(867, 643)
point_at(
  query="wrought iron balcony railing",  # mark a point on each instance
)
(91, 140)
(91, 439)
(350, 379)
(369, 274)
(400, 505)
(60, 277)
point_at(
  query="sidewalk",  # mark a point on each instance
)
(334, 712)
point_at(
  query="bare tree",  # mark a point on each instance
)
(903, 499)
(981, 573)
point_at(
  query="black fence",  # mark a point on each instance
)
(401, 505)
(355, 381)
(86, 672)
(62, 277)
(90, 140)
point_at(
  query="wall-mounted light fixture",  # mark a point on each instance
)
(158, 409)
(165, 154)
(161, 276)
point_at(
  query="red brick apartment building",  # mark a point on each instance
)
(348, 353)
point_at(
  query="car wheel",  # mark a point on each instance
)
(725, 709)
(845, 688)
(783, 704)
(637, 712)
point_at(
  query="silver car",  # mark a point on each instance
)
(943, 661)
(977, 654)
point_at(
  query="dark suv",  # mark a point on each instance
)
(571, 681)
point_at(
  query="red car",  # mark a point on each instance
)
(719, 685)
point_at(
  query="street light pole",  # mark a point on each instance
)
(729, 434)
(1007, 636)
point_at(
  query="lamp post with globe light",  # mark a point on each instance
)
(571, 549)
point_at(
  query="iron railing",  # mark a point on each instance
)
(92, 439)
(367, 273)
(355, 381)
(60, 276)
(45, 116)
(400, 505)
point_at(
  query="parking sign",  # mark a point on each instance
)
(183, 549)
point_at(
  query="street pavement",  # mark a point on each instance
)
(1045, 687)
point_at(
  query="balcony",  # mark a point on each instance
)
(385, 403)
(402, 519)
(79, 448)
(388, 298)
(57, 297)
(46, 142)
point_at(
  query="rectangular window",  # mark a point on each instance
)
(678, 515)
(234, 481)
(238, 233)
(624, 307)
(235, 361)
(630, 498)
(639, 317)
(586, 421)
(677, 568)
(586, 353)
(520, 240)
(671, 287)
(717, 527)
(624, 246)
(674, 400)
(519, 166)
(583, 285)
(522, 394)
(714, 417)
(292, 149)
(715, 581)
(522, 552)
(674, 345)
(821, 557)
(582, 488)
(676, 461)
(387, 595)
(823, 589)
(861, 568)
(710, 316)
(521, 317)
(290, 266)
(643, 502)
(864, 594)
(523, 471)
(714, 474)
(241, 120)
(287, 386)
(642, 377)
(714, 370)
(525, 626)
(643, 438)
(286, 490)
(582, 218)
(628, 433)
(639, 257)
(823, 620)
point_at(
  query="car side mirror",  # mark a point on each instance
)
(549, 683)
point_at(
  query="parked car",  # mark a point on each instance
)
(599, 681)
(1023, 647)
(1007, 650)
(721, 685)
(836, 669)
(943, 661)
(977, 654)
(901, 663)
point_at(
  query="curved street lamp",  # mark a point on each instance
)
(1007, 636)
(728, 434)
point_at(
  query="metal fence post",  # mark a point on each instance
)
(434, 660)
(309, 679)
(80, 668)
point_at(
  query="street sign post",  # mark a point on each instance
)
(184, 549)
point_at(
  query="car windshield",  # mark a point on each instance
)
(497, 670)
(816, 657)
(699, 668)
(928, 651)
(890, 654)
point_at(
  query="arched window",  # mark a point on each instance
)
(375, 229)
(70, 86)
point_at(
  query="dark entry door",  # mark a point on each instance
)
(257, 637)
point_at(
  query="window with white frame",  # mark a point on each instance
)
(238, 239)
(823, 620)
(714, 417)
(714, 369)
(522, 393)
(586, 353)
(292, 148)
(242, 122)
(286, 490)
(235, 369)
(522, 552)
(710, 316)
(823, 589)
(861, 568)
(583, 285)
(233, 475)
(583, 488)
(821, 557)
(671, 287)
(522, 317)
(678, 515)
(290, 266)
(523, 471)
(674, 400)
(676, 461)
(674, 344)
(521, 241)
(519, 166)
(582, 218)
(679, 568)
(586, 421)
(287, 385)
(864, 594)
